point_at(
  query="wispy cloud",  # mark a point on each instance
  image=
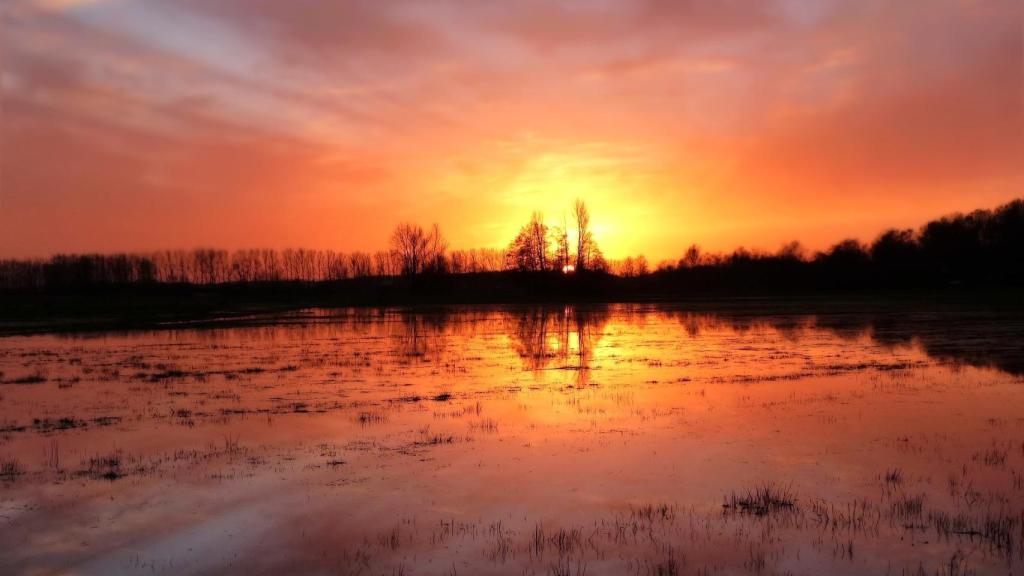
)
(286, 118)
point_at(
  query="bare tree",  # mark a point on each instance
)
(530, 249)
(437, 246)
(595, 258)
(416, 251)
(539, 234)
(385, 263)
(792, 251)
(642, 266)
(583, 238)
(561, 235)
(361, 264)
(692, 258)
(409, 245)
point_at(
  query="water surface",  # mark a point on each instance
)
(555, 440)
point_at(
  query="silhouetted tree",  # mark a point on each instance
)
(792, 251)
(631, 266)
(437, 246)
(476, 260)
(595, 259)
(386, 263)
(361, 264)
(418, 251)
(844, 265)
(584, 240)
(692, 257)
(409, 245)
(561, 235)
(896, 256)
(981, 247)
(530, 250)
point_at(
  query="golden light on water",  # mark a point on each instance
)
(492, 434)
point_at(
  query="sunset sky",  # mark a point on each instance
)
(140, 125)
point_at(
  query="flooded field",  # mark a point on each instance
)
(646, 440)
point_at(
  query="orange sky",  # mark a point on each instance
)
(142, 124)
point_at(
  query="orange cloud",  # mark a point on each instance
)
(141, 125)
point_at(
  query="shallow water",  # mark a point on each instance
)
(583, 440)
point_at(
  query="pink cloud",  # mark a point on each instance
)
(320, 123)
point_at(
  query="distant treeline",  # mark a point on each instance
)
(205, 266)
(982, 247)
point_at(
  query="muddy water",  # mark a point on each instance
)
(580, 440)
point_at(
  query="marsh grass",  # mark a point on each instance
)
(1002, 530)
(435, 439)
(37, 377)
(566, 567)
(651, 513)
(369, 418)
(853, 516)
(107, 467)
(503, 546)
(488, 425)
(45, 425)
(906, 508)
(391, 539)
(51, 455)
(10, 468)
(893, 477)
(232, 444)
(428, 438)
(995, 457)
(762, 500)
(666, 567)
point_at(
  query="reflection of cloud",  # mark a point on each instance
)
(59, 5)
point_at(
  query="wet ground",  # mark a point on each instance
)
(627, 439)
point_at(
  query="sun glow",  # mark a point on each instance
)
(531, 175)
(186, 124)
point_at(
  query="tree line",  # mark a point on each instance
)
(413, 251)
(984, 246)
(208, 266)
(981, 247)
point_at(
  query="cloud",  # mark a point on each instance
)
(902, 110)
(62, 5)
(756, 121)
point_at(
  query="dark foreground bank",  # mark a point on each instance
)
(155, 305)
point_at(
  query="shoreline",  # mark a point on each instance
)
(176, 306)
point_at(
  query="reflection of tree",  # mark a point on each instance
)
(420, 334)
(530, 337)
(970, 337)
(564, 336)
(980, 339)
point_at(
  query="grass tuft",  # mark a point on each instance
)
(762, 500)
